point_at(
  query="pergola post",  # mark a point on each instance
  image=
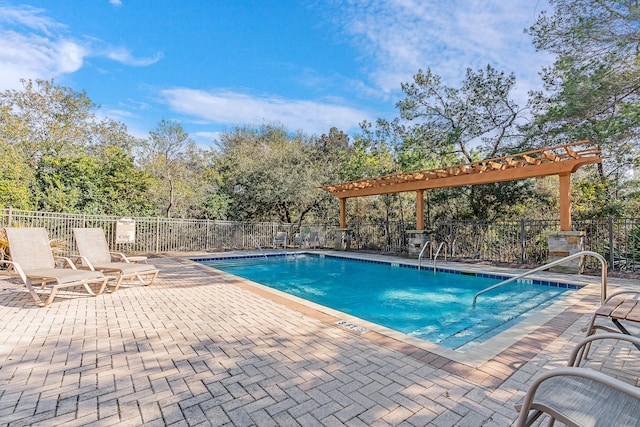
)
(420, 210)
(565, 202)
(343, 212)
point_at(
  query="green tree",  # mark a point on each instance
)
(46, 119)
(174, 161)
(270, 174)
(592, 90)
(67, 158)
(443, 124)
(16, 178)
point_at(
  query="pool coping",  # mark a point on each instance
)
(489, 363)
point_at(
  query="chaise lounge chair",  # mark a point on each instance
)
(33, 260)
(95, 255)
(582, 397)
(280, 239)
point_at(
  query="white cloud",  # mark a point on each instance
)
(33, 46)
(226, 107)
(39, 52)
(123, 55)
(399, 37)
(116, 3)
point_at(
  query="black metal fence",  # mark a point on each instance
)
(519, 241)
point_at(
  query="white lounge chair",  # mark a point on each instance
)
(94, 254)
(280, 239)
(33, 261)
(582, 397)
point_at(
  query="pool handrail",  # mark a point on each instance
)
(258, 245)
(435, 257)
(427, 243)
(603, 266)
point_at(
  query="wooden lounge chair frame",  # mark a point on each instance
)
(32, 260)
(94, 254)
(581, 397)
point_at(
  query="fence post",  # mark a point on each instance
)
(611, 257)
(10, 219)
(523, 242)
(158, 235)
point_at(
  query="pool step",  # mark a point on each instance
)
(471, 331)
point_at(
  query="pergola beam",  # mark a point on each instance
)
(561, 160)
(487, 177)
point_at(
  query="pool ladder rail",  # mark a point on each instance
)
(429, 244)
(603, 274)
(258, 245)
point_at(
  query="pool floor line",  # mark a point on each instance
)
(490, 373)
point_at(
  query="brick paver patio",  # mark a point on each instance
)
(201, 348)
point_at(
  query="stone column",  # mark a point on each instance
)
(342, 239)
(562, 244)
(416, 238)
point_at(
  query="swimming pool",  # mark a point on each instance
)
(432, 306)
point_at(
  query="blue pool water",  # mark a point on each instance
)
(435, 307)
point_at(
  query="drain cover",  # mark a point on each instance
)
(353, 328)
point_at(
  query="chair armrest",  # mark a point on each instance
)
(84, 262)
(577, 350)
(66, 260)
(120, 256)
(17, 269)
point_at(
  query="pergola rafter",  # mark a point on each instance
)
(561, 160)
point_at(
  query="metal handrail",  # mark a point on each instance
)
(427, 243)
(603, 264)
(438, 253)
(258, 245)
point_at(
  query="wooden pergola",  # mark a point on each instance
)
(561, 160)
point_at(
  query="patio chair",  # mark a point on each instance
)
(581, 397)
(94, 254)
(33, 261)
(313, 239)
(280, 239)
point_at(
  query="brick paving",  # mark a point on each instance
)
(204, 348)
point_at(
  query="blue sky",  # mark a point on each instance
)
(216, 64)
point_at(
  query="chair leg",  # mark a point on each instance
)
(153, 278)
(150, 282)
(103, 285)
(117, 285)
(34, 294)
(88, 288)
(51, 296)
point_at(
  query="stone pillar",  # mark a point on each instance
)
(562, 244)
(342, 239)
(416, 238)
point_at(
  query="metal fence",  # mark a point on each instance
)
(520, 241)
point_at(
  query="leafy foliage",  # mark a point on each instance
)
(476, 120)
(270, 174)
(592, 89)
